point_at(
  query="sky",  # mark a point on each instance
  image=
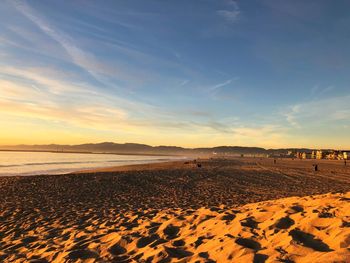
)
(189, 73)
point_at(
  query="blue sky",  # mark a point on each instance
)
(188, 73)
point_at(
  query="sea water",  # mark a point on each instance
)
(34, 163)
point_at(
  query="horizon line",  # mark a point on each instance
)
(188, 148)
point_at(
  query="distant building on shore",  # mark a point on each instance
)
(303, 155)
(306, 155)
(335, 155)
(319, 155)
(313, 155)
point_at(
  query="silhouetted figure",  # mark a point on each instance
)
(199, 165)
(274, 161)
(315, 167)
(345, 162)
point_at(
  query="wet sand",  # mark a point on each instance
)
(177, 212)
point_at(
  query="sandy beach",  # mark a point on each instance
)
(174, 131)
(227, 210)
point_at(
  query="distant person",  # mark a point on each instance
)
(345, 162)
(274, 161)
(315, 167)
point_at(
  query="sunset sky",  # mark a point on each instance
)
(187, 73)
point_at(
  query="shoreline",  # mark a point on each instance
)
(86, 152)
(331, 176)
(128, 167)
(34, 163)
(135, 167)
(168, 164)
(237, 210)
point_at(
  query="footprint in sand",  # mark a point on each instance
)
(153, 227)
(283, 223)
(179, 243)
(345, 224)
(204, 255)
(248, 243)
(158, 242)
(82, 254)
(171, 231)
(260, 258)
(29, 239)
(346, 242)
(38, 260)
(205, 218)
(249, 222)
(177, 252)
(295, 209)
(200, 239)
(325, 213)
(145, 241)
(228, 217)
(117, 250)
(309, 240)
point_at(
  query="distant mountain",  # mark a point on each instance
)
(135, 148)
(105, 147)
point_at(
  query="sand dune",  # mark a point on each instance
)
(178, 212)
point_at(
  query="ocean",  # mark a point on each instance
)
(35, 163)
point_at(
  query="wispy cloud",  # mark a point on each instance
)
(229, 15)
(326, 90)
(220, 85)
(34, 96)
(291, 115)
(80, 57)
(119, 67)
(54, 96)
(321, 112)
(318, 91)
(232, 13)
(183, 83)
(223, 90)
(28, 93)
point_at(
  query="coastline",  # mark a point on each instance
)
(40, 163)
(87, 152)
(137, 167)
(178, 211)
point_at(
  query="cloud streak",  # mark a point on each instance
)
(322, 112)
(133, 71)
(80, 57)
(77, 106)
(232, 14)
(221, 85)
